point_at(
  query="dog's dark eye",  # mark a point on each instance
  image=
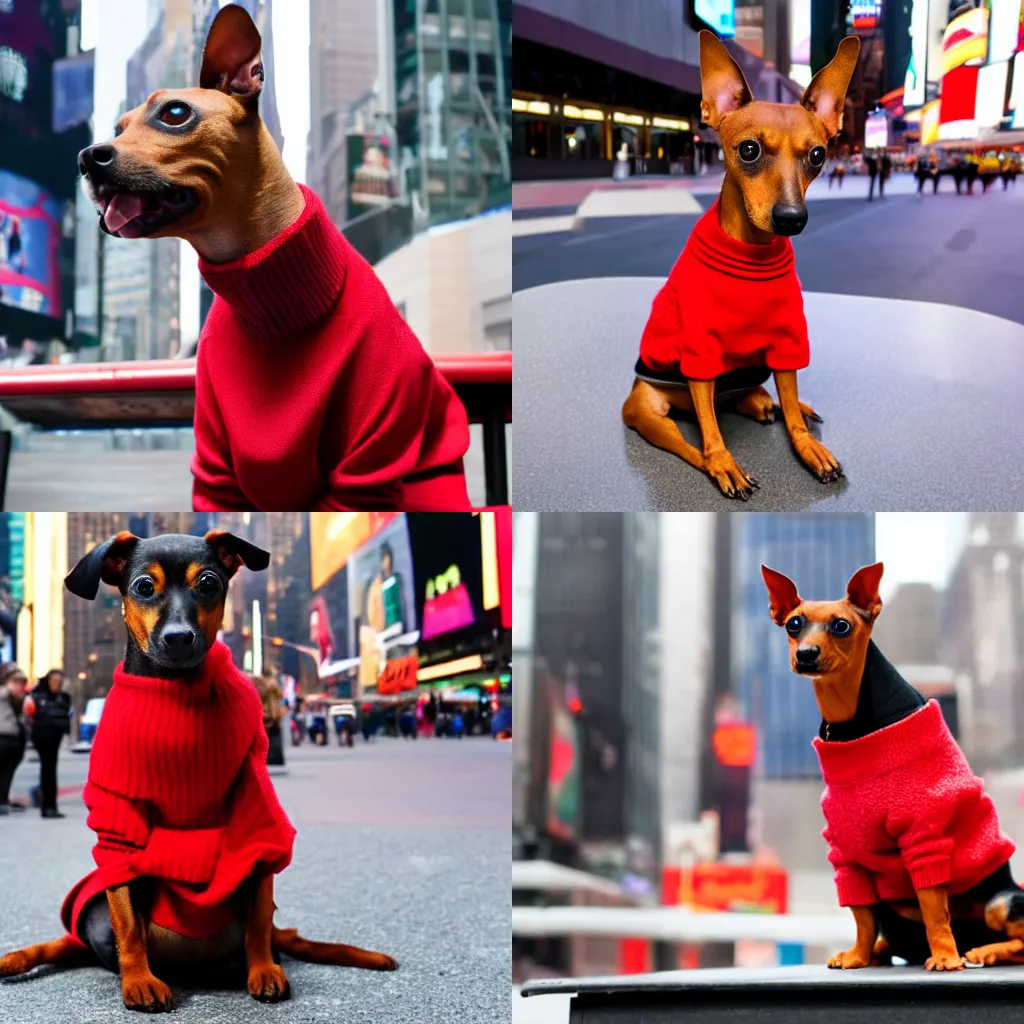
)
(209, 584)
(817, 156)
(749, 151)
(144, 587)
(794, 625)
(175, 114)
(839, 627)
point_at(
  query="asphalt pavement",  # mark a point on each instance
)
(402, 847)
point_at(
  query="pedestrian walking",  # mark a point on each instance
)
(885, 169)
(921, 173)
(49, 710)
(273, 714)
(12, 730)
(871, 162)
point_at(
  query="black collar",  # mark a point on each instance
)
(885, 697)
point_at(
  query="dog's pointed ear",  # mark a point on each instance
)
(105, 562)
(232, 552)
(862, 591)
(826, 95)
(782, 595)
(723, 87)
(231, 57)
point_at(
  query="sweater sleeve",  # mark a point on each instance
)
(854, 885)
(214, 486)
(121, 825)
(920, 825)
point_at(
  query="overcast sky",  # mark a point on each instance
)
(116, 27)
(918, 547)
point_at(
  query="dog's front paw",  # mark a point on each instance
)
(268, 983)
(732, 481)
(944, 962)
(382, 962)
(849, 960)
(13, 963)
(146, 993)
(817, 458)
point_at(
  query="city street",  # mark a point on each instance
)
(402, 847)
(892, 290)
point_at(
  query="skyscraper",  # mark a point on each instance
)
(452, 62)
(819, 552)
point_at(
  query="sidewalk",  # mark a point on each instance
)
(402, 847)
(531, 195)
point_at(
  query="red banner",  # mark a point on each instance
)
(399, 675)
(742, 887)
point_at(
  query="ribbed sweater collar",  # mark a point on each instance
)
(195, 687)
(290, 282)
(882, 751)
(719, 251)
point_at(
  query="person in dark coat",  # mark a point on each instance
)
(50, 714)
(12, 729)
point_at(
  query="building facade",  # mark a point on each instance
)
(452, 61)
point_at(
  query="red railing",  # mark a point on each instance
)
(162, 393)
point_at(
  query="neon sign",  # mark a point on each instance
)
(446, 581)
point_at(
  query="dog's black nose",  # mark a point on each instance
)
(96, 158)
(179, 640)
(807, 655)
(788, 219)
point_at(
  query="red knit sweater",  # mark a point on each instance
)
(178, 790)
(903, 812)
(726, 305)
(311, 390)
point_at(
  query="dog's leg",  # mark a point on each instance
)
(140, 988)
(718, 463)
(24, 960)
(814, 455)
(1011, 952)
(288, 940)
(646, 411)
(935, 913)
(859, 955)
(758, 405)
(267, 982)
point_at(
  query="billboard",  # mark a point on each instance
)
(563, 781)
(718, 14)
(956, 105)
(371, 177)
(865, 14)
(72, 91)
(30, 220)
(380, 585)
(965, 40)
(930, 123)
(914, 91)
(876, 130)
(333, 536)
(800, 41)
(1004, 27)
(990, 101)
(1017, 90)
(750, 28)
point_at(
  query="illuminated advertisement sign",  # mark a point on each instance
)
(1004, 26)
(447, 605)
(965, 40)
(719, 14)
(876, 130)
(333, 536)
(29, 242)
(563, 782)
(930, 123)
(990, 102)
(956, 105)
(865, 15)
(914, 91)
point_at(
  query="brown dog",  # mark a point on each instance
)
(173, 589)
(227, 191)
(773, 151)
(860, 696)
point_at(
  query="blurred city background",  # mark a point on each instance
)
(666, 794)
(395, 111)
(393, 630)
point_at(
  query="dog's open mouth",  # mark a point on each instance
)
(136, 214)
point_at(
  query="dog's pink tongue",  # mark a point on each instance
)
(120, 210)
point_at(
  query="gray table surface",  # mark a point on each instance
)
(921, 403)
